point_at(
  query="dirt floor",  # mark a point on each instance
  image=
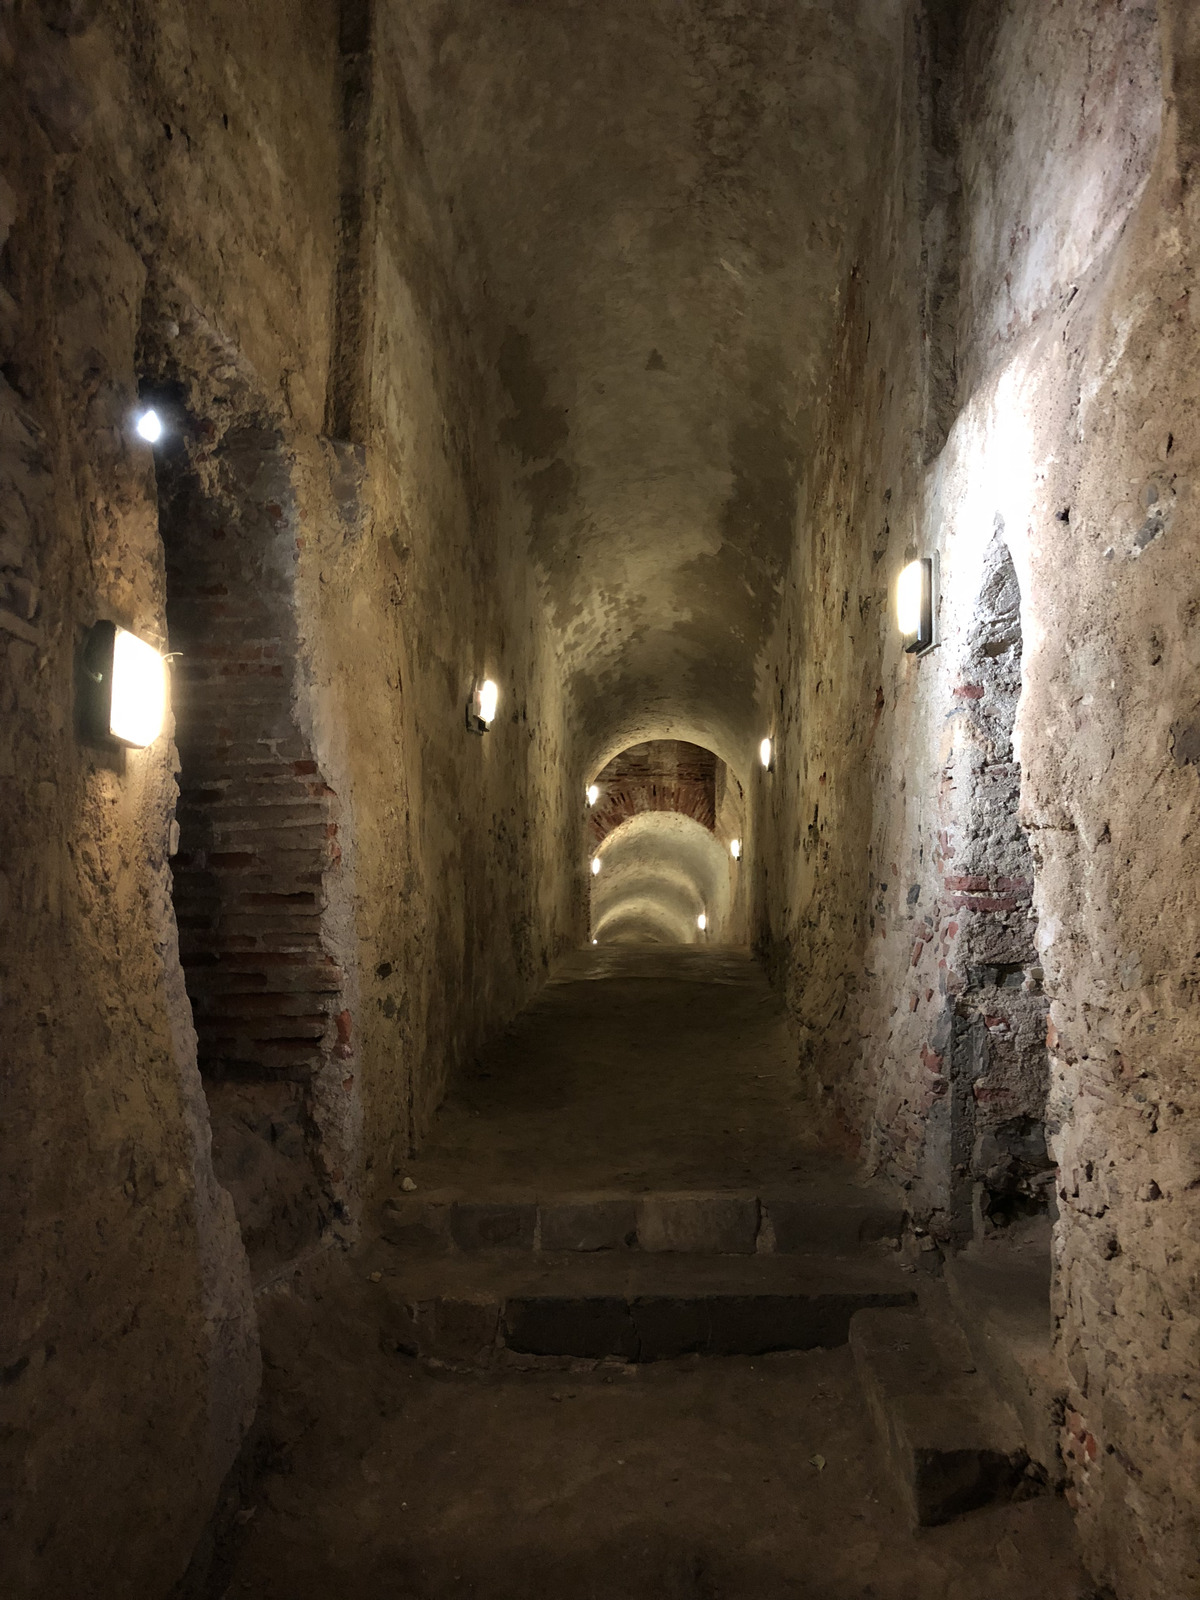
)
(739, 1479)
(635, 1068)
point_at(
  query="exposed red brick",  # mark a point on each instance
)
(985, 902)
(659, 775)
(255, 816)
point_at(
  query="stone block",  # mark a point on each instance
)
(800, 1226)
(947, 1440)
(590, 1327)
(494, 1224)
(671, 1325)
(461, 1327)
(417, 1221)
(699, 1223)
(587, 1222)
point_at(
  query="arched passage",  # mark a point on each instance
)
(678, 877)
(660, 872)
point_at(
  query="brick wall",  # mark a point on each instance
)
(659, 775)
(257, 836)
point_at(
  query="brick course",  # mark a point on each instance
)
(659, 775)
(257, 828)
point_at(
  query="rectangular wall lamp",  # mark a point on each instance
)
(915, 605)
(123, 688)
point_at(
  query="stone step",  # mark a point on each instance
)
(950, 1443)
(1001, 1296)
(499, 1307)
(802, 1220)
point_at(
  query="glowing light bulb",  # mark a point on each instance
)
(489, 699)
(765, 753)
(595, 866)
(914, 604)
(149, 426)
(595, 941)
(702, 922)
(908, 598)
(139, 691)
(735, 849)
(593, 793)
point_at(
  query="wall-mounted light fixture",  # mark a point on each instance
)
(481, 707)
(735, 849)
(766, 754)
(593, 793)
(915, 605)
(595, 866)
(123, 689)
(148, 425)
(702, 922)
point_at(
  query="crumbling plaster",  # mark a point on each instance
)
(1072, 435)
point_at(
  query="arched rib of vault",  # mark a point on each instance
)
(644, 924)
(665, 869)
(638, 727)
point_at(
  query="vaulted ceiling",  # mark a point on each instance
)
(662, 195)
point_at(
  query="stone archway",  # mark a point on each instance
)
(666, 815)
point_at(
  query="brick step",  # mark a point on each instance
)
(501, 1308)
(950, 1443)
(795, 1221)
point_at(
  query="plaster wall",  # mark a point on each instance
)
(1072, 440)
(173, 206)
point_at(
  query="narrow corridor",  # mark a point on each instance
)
(599, 799)
(413, 1452)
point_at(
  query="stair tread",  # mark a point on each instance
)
(816, 1190)
(952, 1444)
(1002, 1298)
(925, 1370)
(634, 1274)
(1010, 1293)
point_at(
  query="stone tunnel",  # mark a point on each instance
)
(599, 760)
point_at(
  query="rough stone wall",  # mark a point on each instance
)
(821, 685)
(176, 203)
(986, 1158)
(418, 588)
(1067, 361)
